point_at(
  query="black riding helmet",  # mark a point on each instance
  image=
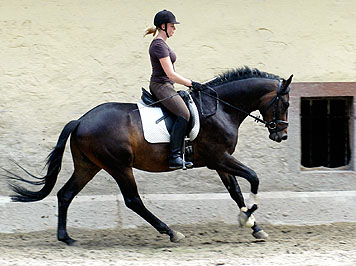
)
(164, 17)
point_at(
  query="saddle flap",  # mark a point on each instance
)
(189, 103)
(208, 105)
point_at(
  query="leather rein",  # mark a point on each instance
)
(271, 125)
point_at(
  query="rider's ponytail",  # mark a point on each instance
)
(150, 30)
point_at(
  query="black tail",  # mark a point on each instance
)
(54, 163)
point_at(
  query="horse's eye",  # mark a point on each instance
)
(286, 105)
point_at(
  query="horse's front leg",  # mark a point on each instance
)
(245, 216)
(233, 188)
(229, 165)
(237, 168)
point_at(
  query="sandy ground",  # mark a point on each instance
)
(211, 244)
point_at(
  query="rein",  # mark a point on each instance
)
(272, 125)
(156, 102)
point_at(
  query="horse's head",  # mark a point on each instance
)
(274, 109)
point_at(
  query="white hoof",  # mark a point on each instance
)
(260, 234)
(177, 236)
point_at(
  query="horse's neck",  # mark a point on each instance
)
(245, 94)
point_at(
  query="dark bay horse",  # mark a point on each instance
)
(110, 137)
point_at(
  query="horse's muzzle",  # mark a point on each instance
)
(278, 136)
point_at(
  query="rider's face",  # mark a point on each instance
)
(170, 29)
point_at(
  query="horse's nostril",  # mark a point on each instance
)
(285, 137)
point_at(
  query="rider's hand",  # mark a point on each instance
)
(196, 86)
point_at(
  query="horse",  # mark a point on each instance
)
(110, 137)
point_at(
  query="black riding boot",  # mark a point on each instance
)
(176, 144)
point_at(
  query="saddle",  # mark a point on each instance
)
(157, 131)
(168, 117)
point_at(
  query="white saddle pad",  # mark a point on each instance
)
(158, 133)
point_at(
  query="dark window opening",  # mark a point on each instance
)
(325, 131)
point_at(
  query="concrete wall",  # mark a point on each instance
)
(61, 58)
(309, 208)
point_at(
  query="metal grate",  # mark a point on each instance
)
(325, 131)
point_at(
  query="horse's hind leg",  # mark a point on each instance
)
(125, 179)
(83, 173)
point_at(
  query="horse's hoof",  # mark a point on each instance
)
(69, 241)
(73, 243)
(260, 235)
(176, 237)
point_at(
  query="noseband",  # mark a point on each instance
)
(271, 125)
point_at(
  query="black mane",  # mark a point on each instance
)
(239, 74)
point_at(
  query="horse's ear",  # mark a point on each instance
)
(286, 83)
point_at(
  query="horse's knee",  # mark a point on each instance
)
(133, 203)
(254, 177)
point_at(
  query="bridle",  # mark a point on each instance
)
(271, 125)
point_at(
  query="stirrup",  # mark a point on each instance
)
(179, 163)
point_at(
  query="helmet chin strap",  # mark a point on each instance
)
(165, 29)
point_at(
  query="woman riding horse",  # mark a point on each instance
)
(110, 136)
(162, 79)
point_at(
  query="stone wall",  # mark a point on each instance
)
(62, 58)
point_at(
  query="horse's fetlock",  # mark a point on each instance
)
(167, 231)
(246, 218)
(250, 221)
(242, 217)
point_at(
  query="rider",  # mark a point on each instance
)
(161, 84)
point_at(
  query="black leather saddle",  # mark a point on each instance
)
(168, 117)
